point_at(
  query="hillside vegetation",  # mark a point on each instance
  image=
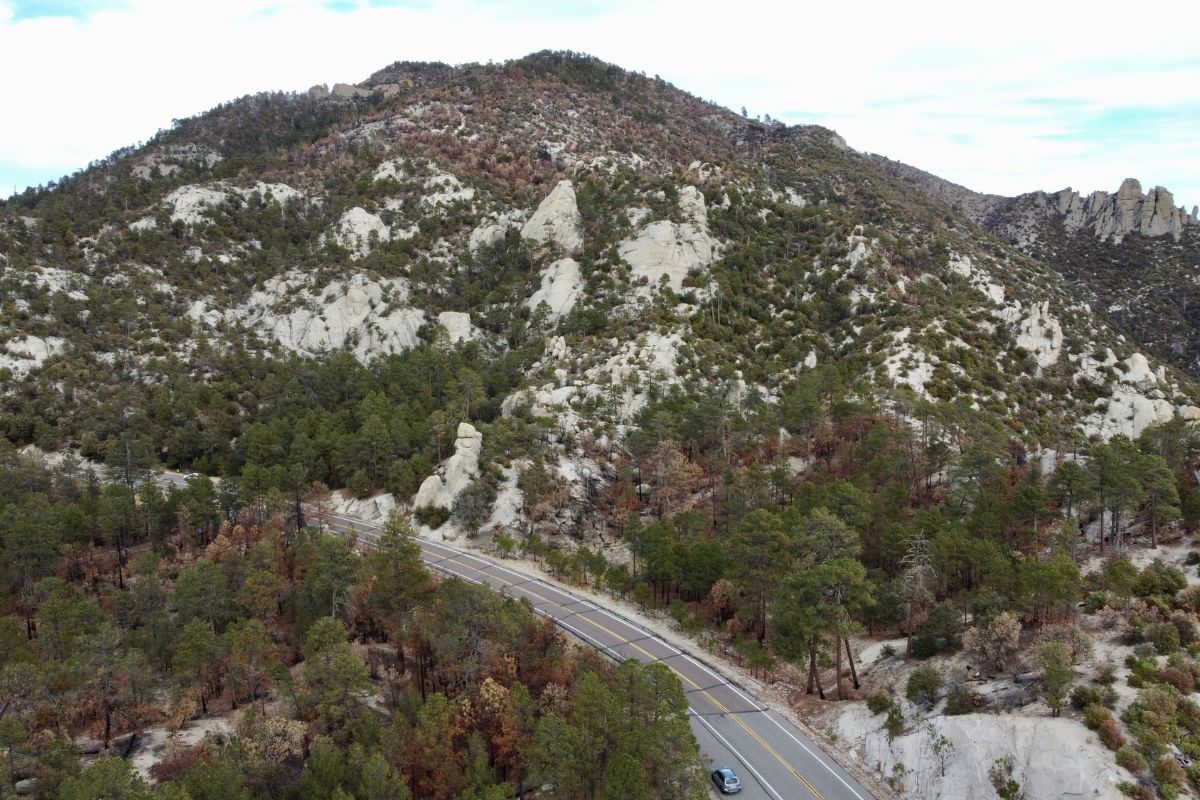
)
(722, 369)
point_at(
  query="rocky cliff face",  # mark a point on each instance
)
(1110, 217)
(1127, 211)
(1133, 256)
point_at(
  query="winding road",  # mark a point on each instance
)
(774, 758)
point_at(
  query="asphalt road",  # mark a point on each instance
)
(773, 758)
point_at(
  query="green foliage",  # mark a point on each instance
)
(1159, 580)
(894, 724)
(1057, 674)
(942, 632)
(1094, 715)
(1164, 636)
(961, 699)
(1129, 758)
(1110, 734)
(879, 702)
(1001, 776)
(432, 516)
(1087, 694)
(924, 686)
(108, 778)
(1168, 773)
(1151, 719)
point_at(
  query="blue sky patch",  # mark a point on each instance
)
(70, 9)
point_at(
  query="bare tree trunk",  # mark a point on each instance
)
(908, 632)
(812, 671)
(850, 658)
(837, 665)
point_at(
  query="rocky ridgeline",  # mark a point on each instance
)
(1109, 216)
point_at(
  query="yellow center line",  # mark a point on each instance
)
(718, 704)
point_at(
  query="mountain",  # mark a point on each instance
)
(1134, 256)
(365, 220)
(784, 391)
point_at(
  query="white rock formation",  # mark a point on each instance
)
(189, 204)
(374, 509)
(363, 313)
(53, 279)
(562, 285)
(22, 356)
(458, 326)
(1051, 757)
(279, 192)
(557, 222)
(354, 229)
(393, 169)
(441, 488)
(1038, 332)
(691, 205)
(1127, 211)
(493, 229)
(1136, 402)
(1127, 411)
(672, 249)
(167, 160)
(909, 366)
(980, 278)
(623, 378)
(445, 189)
(510, 502)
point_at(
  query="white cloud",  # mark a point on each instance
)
(945, 86)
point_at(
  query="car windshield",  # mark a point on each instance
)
(728, 776)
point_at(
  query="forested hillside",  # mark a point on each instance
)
(730, 373)
(317, 672)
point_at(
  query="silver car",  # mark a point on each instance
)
(726, 780)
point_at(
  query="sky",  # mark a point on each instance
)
(1002, 98)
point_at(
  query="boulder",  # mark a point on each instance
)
(458, 326)
(492, 230)
(349, 90)
(691, 205)
(1039, 333)
(557, 223)
(354, 229)
(1050, 756)
(441, 488)
(562, 285)
(672, 249)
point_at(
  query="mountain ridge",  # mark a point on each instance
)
(550, 305)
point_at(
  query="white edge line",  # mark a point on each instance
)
(648, 634)
(745, 762)
(819, 760)
(637, 629)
